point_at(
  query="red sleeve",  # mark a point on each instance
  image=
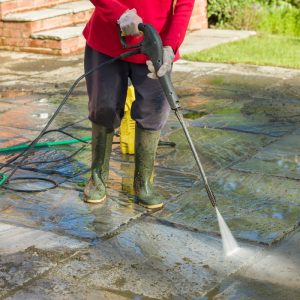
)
(177, 26)
(110, 9)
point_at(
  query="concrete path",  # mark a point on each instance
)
(244, 121)
(203, 39)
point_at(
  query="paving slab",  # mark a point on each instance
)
(30, 116)
(281, 158)
(177, 252)
(20, 269)
(147, 261)
(217, 149)
(59, 211)
(275, 276)
(13, 136)
(194, 41)
(256, 208)
(21, 238)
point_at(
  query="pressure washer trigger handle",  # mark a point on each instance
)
(122, 37)
(152, 47)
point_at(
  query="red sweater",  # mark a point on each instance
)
(169, 17)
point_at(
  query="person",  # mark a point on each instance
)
(107, 87)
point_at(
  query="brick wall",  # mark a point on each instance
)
(199, 16)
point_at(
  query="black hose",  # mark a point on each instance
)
(25, 153)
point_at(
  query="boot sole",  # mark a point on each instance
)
(94, 201)
(151, 206)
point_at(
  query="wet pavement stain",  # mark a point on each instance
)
(59, 211)
(176, 171)
(9, 93)
(245, 131)
(217, 149)
(42, 66)
(256, 208)
(281, 158)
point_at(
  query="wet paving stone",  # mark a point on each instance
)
(57, 210)
(217, 149)
(261, 116)
(75, 109)
(275, 276)
(257, 104)
(63, 211)
(5, 107)
(281, 158)
(291, 87)
(231, 85)
(248, 289)
(27, 116)
(17, 238)
(176, 252)
(258, 124)
(255, 207)
(13, 136)
(147, 261)
(19, 269)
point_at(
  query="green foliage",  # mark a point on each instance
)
(295, 3)
(280, 20)
(219, 12)
(246, 18)
(271, 16)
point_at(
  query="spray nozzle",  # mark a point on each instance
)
(211, 195)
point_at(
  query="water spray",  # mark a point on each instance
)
(153, 48)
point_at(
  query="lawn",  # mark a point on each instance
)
(263, 50)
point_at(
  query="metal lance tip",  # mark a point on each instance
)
(211, 195)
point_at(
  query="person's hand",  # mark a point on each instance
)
(168, 57)
(129, 22)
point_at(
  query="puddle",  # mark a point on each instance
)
(41, 115)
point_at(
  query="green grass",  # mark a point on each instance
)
(263, 50)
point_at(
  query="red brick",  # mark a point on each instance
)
(25, 5)
(16, 35)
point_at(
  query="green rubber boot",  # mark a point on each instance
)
(95, 190)
(146, 142)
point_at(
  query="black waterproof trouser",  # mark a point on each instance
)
(107, 89)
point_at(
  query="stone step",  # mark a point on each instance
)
(60, 41)
(23, 24)
(10, 6)
(17, 29)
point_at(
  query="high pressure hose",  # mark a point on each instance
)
(6, 178)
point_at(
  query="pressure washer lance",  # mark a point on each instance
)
(152, 47)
